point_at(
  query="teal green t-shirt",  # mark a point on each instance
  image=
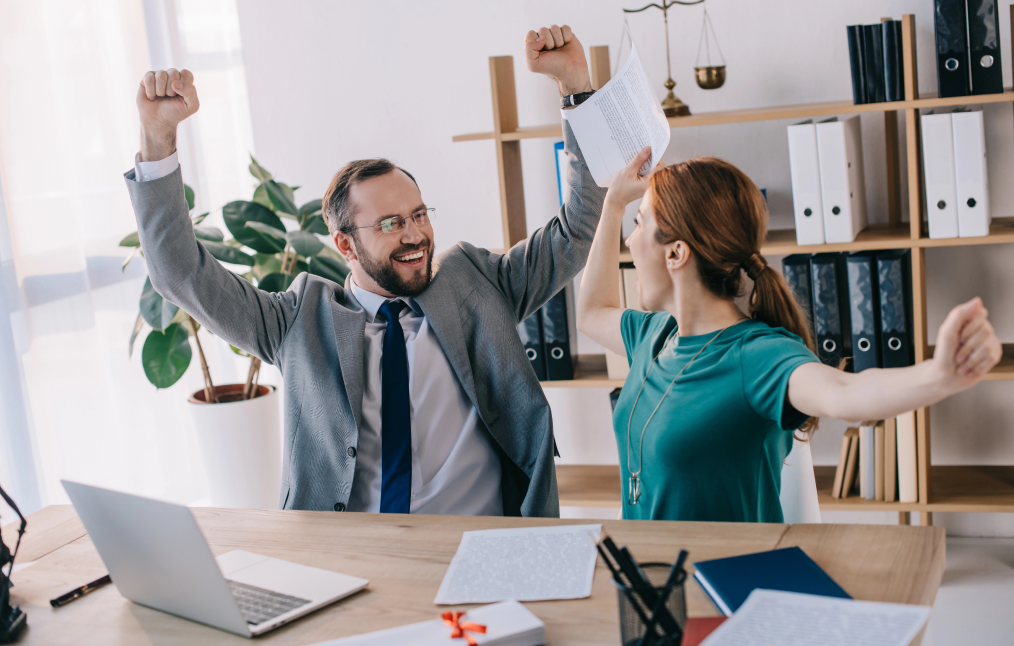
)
(715, 448)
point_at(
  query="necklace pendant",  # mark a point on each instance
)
(634, 491)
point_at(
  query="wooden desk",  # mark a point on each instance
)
(405, 558)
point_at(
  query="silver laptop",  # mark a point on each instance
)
(157, 557)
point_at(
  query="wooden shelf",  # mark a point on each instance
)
(1004, 371)
(588, 485)
(590, 372)
(783, 241)
(955, 489)
(800, 111)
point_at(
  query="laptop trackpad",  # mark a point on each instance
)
(286, 577)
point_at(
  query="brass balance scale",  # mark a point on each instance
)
(709, 77)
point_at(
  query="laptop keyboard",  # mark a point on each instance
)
(259, 605)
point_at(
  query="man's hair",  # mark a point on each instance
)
(337, 209)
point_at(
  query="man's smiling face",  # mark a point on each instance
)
(398, 263)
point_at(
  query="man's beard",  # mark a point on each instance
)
(384, 273)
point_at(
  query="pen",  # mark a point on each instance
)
(627, 590)
(79, 592)
(645, 590)
(674, 576)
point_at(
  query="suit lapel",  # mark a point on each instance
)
(349, 332)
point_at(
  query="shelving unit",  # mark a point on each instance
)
(941, 488)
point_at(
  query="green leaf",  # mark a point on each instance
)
(126, 261)
(184, 319)
(238, 213)
(238, 351)
(133, 240)
(258, 171)
(267, 230)
(276, 282)
(279, 197)
(329, 268)
(231, 255)
(261, 196)
(305, 244)
(211, 234)
(166, 355)
(157, 311)
(266, 264)
(197, 219)
(312, 207)
(138, 324)
(316, 224)
(189, 194)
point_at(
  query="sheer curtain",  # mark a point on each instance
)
(72, 404)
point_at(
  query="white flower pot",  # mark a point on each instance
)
(241, 444)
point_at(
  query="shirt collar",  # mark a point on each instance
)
(371, 302)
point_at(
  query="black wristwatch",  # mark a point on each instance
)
(572, 100)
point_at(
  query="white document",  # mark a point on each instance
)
(842, 185)
(805, 171)
(527, 564)
(971, 179)
(507, 624)
(770, 618)
(618, 121)
(938, 166)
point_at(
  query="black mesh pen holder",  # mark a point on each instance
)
(636, 614)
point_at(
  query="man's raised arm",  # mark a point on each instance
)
(180, 268)
(535, 269)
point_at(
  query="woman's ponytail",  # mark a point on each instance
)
(771, 301)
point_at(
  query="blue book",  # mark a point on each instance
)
(730, 581)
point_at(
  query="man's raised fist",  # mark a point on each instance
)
(557, 53)
(164, 99)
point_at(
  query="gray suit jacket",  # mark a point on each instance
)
(313, 333)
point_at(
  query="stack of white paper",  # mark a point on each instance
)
(527, 564)
(618, 121)
(791, 619)
(507, 624)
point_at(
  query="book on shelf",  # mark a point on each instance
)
(851, 464)
(868, 460)
(842, 484)
(908, 477)
(878, 461)
(875, 61)
(890, 459)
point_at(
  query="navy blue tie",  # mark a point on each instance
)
(395, 416)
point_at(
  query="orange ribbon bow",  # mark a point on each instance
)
(458, 629)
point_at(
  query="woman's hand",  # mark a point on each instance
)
(628, 185)
(967, 347)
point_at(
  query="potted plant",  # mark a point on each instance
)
(237, 424)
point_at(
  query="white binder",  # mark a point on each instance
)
(842, 187)
(971, 181)
(938, 168)
(805, 170)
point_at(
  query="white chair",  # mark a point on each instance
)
(799, 487)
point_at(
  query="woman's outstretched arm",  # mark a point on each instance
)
(598, 306)
(967, 348)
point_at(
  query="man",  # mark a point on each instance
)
(408, 389)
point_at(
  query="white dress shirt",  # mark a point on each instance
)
(455, 468)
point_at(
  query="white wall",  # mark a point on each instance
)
(330, 82)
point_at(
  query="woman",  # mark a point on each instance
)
(707, 415)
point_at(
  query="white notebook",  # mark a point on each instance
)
(507, 623)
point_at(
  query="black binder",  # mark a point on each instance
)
(873, 55)
(558, 336)
(952, 47)
(894, 67)
(614, 396)
(857, 64)
(832, 333)
(894, 279)
(984, 47)
(864, 310)
(796, 270)
(530, 331)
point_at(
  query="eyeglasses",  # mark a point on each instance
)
(398, 223)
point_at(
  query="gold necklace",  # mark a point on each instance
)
(634, 490)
